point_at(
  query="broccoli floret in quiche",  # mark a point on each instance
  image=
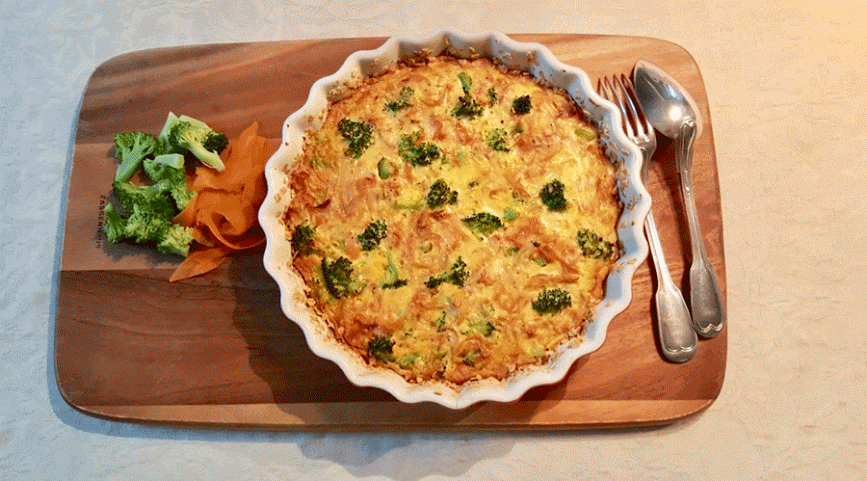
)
(457, 274)
(552, 301)
(552, 195)
(302, 239)
(339, 278)
(403, 101)
(381, 347)
(415, 153)
(440, 194)
(593, 245)
(467, 107)
(483, 224)
(522, 105)
(358, 136)
(373, 235)
(496, 140)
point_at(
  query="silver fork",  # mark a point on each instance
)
(677, 338)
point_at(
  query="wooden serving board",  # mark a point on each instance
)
(217, 350)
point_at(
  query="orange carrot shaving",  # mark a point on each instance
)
(200, 261)
(224, 212)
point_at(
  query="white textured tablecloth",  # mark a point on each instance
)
(788, 98)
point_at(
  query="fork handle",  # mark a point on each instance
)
(677, 338)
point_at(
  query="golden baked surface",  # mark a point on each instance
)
(453, 220)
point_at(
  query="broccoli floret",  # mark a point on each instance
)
(381, 347)
(483, 224)
(408, 360)
(176, 239)
(466, 82)
(145, 225)
(165, 168)
(167, 171)
(186, 134)
(339, 278)
(114, 225)
(358, 135)
(440, 322)
(395, 284)
(521, 105)
(302, 239)
(483, 328)
(440, 194)
(373, 235)
(417, 154)
(392, 276)
(492, 95)
(552, 196)
(552, 301)
(496, 140)
(148, 198)
(150, 213)
(457, 275)
(467, 107)
(470, 358)
(131, 148)
(592, 245)
(402, 101)
(182, 195)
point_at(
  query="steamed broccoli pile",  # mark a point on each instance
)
(149, 212)
(144, 210)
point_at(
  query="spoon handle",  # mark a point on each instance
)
(708, 308)
(677, 339)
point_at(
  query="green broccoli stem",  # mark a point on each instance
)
(211, 159)
(128, 166)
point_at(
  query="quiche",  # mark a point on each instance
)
(452, 219)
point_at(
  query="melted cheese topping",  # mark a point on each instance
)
(497, 162)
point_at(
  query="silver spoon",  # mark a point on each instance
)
(674, 113)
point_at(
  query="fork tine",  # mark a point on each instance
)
(608, 90)
(642, 124)
(627, 105)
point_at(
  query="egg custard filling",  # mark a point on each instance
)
(453, 220)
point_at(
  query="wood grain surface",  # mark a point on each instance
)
(217, 350)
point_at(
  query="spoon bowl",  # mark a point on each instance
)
(665, 101)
